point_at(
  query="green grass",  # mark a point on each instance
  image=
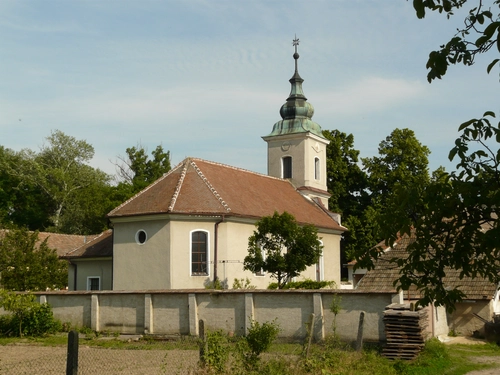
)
(328, 358)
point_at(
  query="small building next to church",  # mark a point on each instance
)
(191, 226)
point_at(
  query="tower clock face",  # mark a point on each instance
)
(285, 146)
(317, 147)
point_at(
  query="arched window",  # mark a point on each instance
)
(287, 167)
(199, 253)
(320, 267)
(316, 169)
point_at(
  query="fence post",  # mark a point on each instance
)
(72, 357)
(359, 342)
(203, 341)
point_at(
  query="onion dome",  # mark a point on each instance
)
(296, 113)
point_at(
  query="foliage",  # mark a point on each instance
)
(402, 163)
(138, 171)
(335, 307)
(243, 284)
(59, 173)
(21, 203)
(214, 284)
(454, 219)
(257, 341)
(346, 181)
(304, 284)
(28, 316)
(402, 160)
(282, 247)
(481, 32)
(24, 265)
(215, 352)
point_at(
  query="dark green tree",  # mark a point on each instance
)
(61, 173)
(27, 265)
(346, 182)
(137, 170)
(454, 219)
(282, 247)
(402, 160)
(21, 202)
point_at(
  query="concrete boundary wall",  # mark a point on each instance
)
(178, 312)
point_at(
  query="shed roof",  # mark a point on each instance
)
(385, 273)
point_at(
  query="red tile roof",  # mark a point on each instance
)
(101, 246)
(62, 243)
(201, 187)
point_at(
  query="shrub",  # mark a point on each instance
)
(28, 316)
(214, 351)
(304, 284)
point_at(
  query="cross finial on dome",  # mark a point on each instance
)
(295, 43)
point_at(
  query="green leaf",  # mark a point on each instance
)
(489, 113)
(494, 62)
(452, 153)
(490, 29)
(419, 7)
(467, 123)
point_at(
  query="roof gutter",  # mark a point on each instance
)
(216, 250)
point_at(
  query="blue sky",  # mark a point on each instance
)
(207, 78)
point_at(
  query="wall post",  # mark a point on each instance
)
(148, 314)
(193, 315)
(318, 327)
(94, 312)
(249, 311)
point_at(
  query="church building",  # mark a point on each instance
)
(191, 226)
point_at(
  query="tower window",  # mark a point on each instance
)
(316, 168)
(287, 167)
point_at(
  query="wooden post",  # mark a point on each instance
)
(203, 340)
(359, 342)
(72, 357)
(310, 333)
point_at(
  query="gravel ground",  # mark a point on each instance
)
(26, 359)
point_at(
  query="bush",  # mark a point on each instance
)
(214, 351)
(305, 284)
(27, 317)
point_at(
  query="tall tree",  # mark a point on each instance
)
(26, 265)
(282, 247)
(455, 216)
(21, 203)
(60, 172)
(138, 171)
(402, 160)
(346, 182)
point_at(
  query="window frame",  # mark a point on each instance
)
(207, 253)
(287, 167)
(320, 266)
(317, 169)
(89, 282)
(137, 239)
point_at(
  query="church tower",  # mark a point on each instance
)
(296, 148)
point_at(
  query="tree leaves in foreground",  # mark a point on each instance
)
(282, 247)
(454, 217)
(27, 265)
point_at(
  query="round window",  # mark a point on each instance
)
(141, 237)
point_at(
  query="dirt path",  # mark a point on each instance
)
(473, 341)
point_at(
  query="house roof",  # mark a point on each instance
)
(100, 246)
(382, 277)
(201, 187)
(61, 243)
